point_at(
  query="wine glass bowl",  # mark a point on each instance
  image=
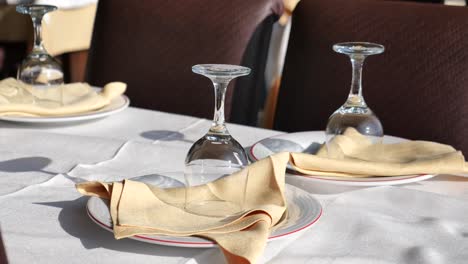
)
(222, 147)
(366, 123)
(354, 113)
(217, 154)
(40, 70)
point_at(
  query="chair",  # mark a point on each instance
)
(423, 1)
(418, 87)
(3, 256)
(151, 45)
(15, 32)
(67, 32)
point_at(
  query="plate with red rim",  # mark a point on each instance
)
(303, 211)
(310, 142)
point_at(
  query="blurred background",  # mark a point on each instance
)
(67, 35)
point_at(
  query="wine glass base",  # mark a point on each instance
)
(28, 9)
(358, 48)
(220, 70)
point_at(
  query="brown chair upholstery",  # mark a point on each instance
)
(418, 87)
(152, 44)
(422, 1)
(3, 256)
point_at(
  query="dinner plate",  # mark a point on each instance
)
(310, 142)
(116, 105)
(303, 211)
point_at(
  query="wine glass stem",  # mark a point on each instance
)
(355, 94)
(37, 24)
(218, 126)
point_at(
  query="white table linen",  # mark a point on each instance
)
(43, 218)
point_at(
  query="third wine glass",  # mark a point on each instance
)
(39, 69)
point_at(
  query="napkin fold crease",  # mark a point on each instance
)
(137, 208)
(360, 158)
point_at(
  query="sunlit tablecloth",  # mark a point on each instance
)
(43, 219)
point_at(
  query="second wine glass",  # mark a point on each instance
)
(216, 154)
(354, 115)
(40, 69)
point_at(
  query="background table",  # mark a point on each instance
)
(43, 218)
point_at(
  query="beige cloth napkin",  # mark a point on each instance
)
(357, 157)
(137, 208)
(20, 99)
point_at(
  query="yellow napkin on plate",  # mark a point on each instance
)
(20, 99)
(359, 158)
(138, 208)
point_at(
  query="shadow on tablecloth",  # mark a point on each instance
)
(164, 135)
(74, 220)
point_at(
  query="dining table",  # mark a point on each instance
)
(43, 218)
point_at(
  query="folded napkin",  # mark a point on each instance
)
(20, 99)
(358, 157)
(138, 208)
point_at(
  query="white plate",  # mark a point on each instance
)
(116, 105)
(309, 142)
(303, 211)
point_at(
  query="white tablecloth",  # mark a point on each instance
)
(43, 218)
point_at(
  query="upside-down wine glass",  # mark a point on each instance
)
(354, 113)
(216, 154)
(39, 68)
